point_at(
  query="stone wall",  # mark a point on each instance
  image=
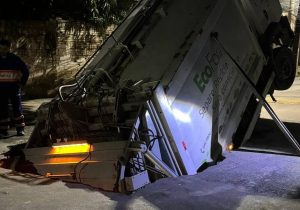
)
(53, 50)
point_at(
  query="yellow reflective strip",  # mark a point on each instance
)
(20, 125)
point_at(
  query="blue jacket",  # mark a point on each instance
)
(13, 71)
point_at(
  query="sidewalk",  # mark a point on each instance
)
(287, 106)
(29, 107)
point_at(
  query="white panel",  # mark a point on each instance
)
(187, 101)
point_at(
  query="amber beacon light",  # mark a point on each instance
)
(71, 148)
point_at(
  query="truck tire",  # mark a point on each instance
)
(284, 68)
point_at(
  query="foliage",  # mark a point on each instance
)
(41, 30)
(102, 12)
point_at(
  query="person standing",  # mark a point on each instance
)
(13, 77)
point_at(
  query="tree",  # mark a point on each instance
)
(102, 12)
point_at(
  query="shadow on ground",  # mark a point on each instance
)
(269, 138)
(27, 178)
(214, 184)
(295, 194)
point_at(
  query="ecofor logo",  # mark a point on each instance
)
(201, 79)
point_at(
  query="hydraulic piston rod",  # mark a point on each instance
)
(269, 109)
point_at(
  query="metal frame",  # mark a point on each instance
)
(265, 104)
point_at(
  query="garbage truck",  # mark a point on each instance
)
(171, 89)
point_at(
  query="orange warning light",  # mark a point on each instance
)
(230, 147)
(70, 149)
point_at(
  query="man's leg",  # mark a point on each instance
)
(15, 99)
(4, 119)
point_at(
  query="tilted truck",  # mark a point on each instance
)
(176, 85)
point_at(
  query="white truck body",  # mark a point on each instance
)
(163, 75)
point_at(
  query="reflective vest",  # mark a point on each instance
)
(10, 75)
(13, 72)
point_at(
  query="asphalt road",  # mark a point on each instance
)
(244, 180)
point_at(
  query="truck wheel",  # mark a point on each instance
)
(284, 68)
